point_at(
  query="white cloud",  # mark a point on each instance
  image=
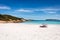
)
(49, 10)
(24, 10)
(5, 7)
(57, 15)
(45, 10)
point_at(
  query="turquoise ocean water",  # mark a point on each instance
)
(42, 22)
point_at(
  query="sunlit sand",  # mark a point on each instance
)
(20, 31)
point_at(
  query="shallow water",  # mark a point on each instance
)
(42, 22)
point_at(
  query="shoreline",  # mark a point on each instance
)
(28, 24)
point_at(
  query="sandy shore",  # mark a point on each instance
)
(16, 31)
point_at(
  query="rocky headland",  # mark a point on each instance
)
(10, 19)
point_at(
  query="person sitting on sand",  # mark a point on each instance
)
(43, 25)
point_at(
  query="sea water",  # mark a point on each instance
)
(42, 22)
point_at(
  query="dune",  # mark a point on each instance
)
(20, 31)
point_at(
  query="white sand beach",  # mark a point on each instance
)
(17, 31)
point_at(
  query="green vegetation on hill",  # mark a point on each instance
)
(10, 18)
(52, 20)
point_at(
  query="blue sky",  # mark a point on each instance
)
(31, 9)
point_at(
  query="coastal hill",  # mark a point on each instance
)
(52, 20)
(10, 19)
